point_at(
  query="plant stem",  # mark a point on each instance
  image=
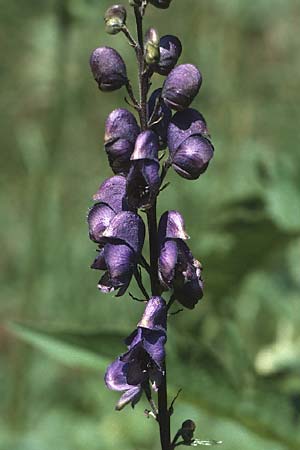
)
(163, 412)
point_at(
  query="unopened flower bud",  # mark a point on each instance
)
(108, 68)
(121, 131)
(181, 86)
(151, 46)
(163, 4)
(115, 18)
(190, 150)
(187, 430)
(170, 50)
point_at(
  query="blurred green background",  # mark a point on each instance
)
(237, 355)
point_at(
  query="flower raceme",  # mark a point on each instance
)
(132, 150)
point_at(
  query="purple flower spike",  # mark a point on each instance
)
(163, 4)
(112, 192)
(171, 225)
(181, 86)
(170, 50)
(143, 180)
(164, 113)
(108, 69)
(121, 131)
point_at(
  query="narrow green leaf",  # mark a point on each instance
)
(77, 349)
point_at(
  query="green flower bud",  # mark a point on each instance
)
(151, 47)
(115, 18)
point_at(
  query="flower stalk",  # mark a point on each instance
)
(114, 221)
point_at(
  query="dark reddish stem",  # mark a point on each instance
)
(163, 412)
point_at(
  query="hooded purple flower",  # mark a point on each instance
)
(181, 86)
(111, 200)
(163, 112)
(120, 247)
(144, 360)
(178, 269)
(143, 180)
(121, 131)
(108, 69)
(170, 50)
(190, 150)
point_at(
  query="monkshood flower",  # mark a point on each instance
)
(163, 4)
(121, 131)
(121, 244)
(143, 362)
(190, 150)
(111, 199)
(108, 69)
(181, 86)
(163, 112)
(178, 269)
(143, 180)
(170, 49)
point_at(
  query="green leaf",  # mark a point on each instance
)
(88, 350)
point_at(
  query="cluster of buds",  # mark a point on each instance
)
(115, 223)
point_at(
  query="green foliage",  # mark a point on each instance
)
(236, 356)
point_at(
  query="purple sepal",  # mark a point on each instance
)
(153, 343)
(120, 262)
(146, 146)
(181, 86)
(167, 262)
(115, 379)
(126, 227)
(99, 217)
(160, 128)
(188, 284)
(170, 50)
(121, 131)
(112, 192)
(171, 225)
(143, 183)
(99, 262)
(155, 315)
(183, 125)
(193, 156)
(108, 68)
